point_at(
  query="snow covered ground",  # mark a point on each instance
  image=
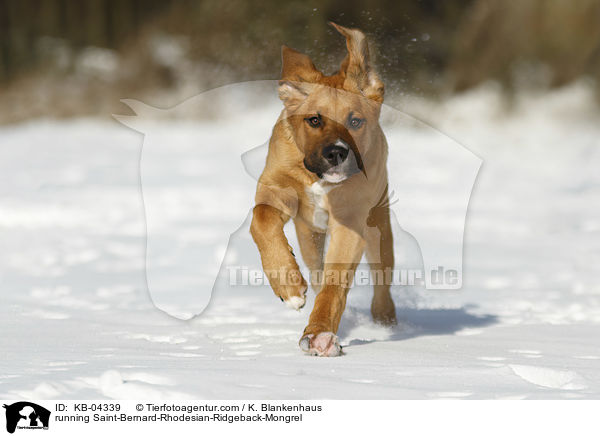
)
(78, 322)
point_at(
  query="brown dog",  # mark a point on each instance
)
(326, 169)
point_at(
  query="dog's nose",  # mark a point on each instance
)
(334, 154)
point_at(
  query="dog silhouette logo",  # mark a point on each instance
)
(198, 194)
(26, 415)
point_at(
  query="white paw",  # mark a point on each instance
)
(295, 303)
(325, 344)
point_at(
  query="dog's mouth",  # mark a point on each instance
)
(334, 177)
(341, 172)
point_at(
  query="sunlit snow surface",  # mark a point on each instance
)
(77, 320)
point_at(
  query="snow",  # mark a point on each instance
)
(78, 321)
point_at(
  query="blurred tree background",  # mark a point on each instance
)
(78, 57)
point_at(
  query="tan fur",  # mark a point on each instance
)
(357, 207)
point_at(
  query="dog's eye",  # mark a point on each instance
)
(355, 123)
(313, 121)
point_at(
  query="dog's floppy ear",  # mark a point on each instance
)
(292, 93)
(297, 70)
(356, 68)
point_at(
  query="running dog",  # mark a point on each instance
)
(326, 170)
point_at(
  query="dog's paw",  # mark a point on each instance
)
(324, 344)
(385, 319)
(384, 312)
(294, 297)
(295, 303)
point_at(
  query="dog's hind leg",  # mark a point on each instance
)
(380, 255)
(311, 247)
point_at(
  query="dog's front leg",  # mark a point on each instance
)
(343, 255)
(276, 255)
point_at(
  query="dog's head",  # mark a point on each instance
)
(334, 118)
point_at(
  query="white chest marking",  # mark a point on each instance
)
(318, 195)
